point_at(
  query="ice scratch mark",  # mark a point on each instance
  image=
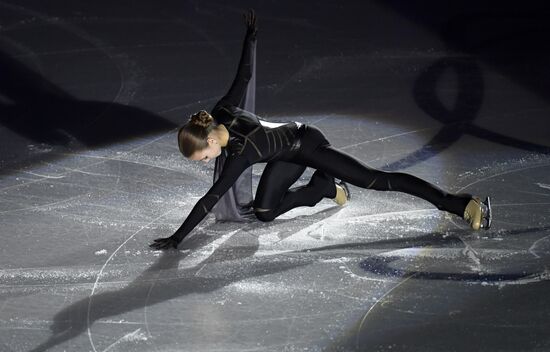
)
(472, 255)
(374, 305)
(170, 191)
(537, 193)
(145, 317)
(40, 175)
(500, 174)
(199, 256)
(141, 146)
(181, 107)
(531, 279)
(321, 119)
(133, 336)
(387, 137)
(42, 179)
(104, 158)
(534, 246)
(38, 207)
(89, 173)
(516, 204)
(103, 268)
(347, 270)
(76, 170)
(543, 185)
(289, 331)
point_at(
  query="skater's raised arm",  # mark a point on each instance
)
(244, 72)
(235, 167)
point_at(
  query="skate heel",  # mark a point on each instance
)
(478, 214)
(343, 194)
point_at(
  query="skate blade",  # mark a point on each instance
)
(487, 219)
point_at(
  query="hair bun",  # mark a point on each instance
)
(201, 118)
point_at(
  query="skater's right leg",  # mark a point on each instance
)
(273, 196)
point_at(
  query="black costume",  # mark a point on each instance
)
(288, 149)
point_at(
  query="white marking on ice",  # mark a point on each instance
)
(38, 207)
(391, 215)
(337, 260)
(535, 244)
(103, 268)
(543, 185)
(102, 160)
(132, 337)
(473, 255)
(321, 119)
(537, 193)
(375, 304)
(516, 204)
(267, 240)
(40, 175)
(257, 286)
(347, 270)
(384, 138)
(8, 276)
(88, 173)
(500, 174)
(106, 158)
(181, 107)
(199, 256)
(531, 279)
(145, 316)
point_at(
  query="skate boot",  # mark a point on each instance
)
(342, 193)
(478, 213)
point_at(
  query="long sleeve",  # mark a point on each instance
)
(238, 89)
(234, 167)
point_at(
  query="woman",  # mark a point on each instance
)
(288, 149)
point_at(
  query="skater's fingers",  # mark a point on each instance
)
(159, 243)
(158, 247)
(252, 17)
(164, 243)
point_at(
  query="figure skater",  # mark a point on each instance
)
(288, 148)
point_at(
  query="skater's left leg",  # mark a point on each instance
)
(354, 171)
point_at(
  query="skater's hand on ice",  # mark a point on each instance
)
(250, 20)
(164, 243)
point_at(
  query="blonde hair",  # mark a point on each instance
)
(192, 136)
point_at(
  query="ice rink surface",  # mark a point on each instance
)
(92, 93)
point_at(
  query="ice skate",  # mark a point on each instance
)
(478, 213)
(342, 193)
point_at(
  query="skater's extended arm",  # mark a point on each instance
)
(235, 167)
(238, 89)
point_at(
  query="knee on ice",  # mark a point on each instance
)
(265, 216)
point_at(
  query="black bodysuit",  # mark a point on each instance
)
(288, 149)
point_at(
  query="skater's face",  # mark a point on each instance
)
(211, 152)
